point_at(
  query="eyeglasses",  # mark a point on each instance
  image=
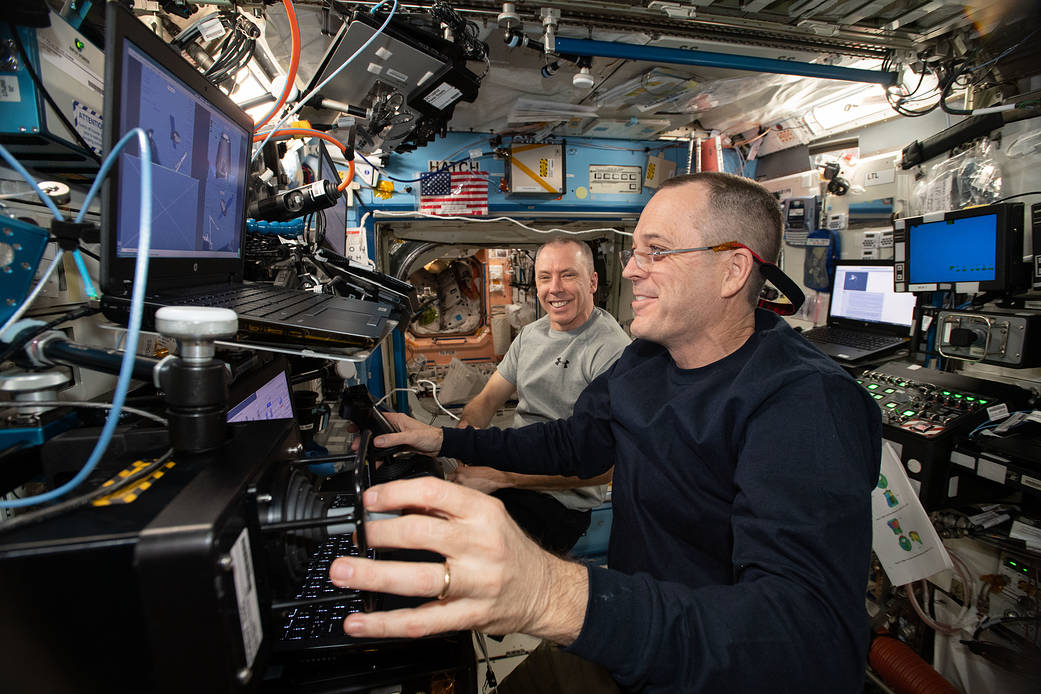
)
(645, 258)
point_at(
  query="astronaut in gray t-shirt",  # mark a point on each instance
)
(549, 364)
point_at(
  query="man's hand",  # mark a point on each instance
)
(414, 434)
(483, 479)
(500, 581)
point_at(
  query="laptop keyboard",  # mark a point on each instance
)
(260, 301)
(323, 622)
(851, 338)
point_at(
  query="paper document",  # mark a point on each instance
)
(903, 537)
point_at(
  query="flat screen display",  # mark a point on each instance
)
(958, 250)
(199, 160)
(335, 216)
(273, 400)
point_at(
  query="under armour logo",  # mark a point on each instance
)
(561, 362)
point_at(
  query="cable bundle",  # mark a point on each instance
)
(955, 73)
(464, 31)
(234, 51)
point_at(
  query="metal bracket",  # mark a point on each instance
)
(673, 10)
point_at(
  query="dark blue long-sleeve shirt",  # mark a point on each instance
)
(741, 535)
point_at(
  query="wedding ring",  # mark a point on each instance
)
(448, 583)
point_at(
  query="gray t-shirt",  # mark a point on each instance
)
(551, 368)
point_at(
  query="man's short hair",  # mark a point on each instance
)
(739, 210)
(583, 248)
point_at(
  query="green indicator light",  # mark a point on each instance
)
(859, 381)
(902, 384)
(907, 413)
(877, 396)
(982, 401)
(946, 392)
(79, 45)
(957, 395)
(873, 386)
(1011, 563)
(890, 405)
(889, 390)
(970, 398)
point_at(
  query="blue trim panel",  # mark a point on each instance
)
(679, 56)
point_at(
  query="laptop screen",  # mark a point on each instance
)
(199, 160)
(865, 293)
(272, 400)
(335, 216)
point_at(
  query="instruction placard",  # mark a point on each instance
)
(903, 536)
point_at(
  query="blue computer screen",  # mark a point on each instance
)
(199, 160)
(957, 250)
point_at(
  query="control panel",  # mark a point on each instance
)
(924, 412)
(924, 408)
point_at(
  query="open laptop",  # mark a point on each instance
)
(200, 143)
(866, 318)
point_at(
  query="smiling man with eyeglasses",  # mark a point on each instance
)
(743, 465)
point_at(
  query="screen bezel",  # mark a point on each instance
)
(1001, 247)
(326, 162)
(116, 272)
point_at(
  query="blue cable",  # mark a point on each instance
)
(287, 89)
(57, 215)
(314, 91)
(81, 266)
(14, 164)
(991, 425)
(136, 311)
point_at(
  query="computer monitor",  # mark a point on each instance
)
(200, 144)
(973, 250)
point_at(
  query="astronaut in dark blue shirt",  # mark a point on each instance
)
(744, 461)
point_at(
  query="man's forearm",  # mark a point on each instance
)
(478, 413)
(549, 482)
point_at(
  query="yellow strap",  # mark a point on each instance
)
(538, 179)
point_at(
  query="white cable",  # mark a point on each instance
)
(396, 390)
(300, 103)
(969, 585)
(416, 391)
(85, 403)
(388, 213)
(993, 109)
(436, 401)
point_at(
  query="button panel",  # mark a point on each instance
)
(924, 408)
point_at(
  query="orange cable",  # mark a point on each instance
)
(350, 177)
(294, 62)
(291, 132)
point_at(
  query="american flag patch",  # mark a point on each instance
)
(454, 193)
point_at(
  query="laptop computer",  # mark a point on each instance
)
(200, 143)
(866, 318)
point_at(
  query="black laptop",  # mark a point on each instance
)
(200, 143)
(866, 318)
